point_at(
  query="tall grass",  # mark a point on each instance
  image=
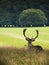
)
(14, 56)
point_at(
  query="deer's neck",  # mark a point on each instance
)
(29, 44)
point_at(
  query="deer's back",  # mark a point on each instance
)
(37, 48)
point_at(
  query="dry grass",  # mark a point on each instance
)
(14, 56)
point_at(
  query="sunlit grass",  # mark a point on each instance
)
(14, 36)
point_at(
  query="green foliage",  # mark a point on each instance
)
(10, 10)
(32, 17)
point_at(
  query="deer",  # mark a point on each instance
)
(30, 40)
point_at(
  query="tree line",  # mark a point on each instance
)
(13, 13)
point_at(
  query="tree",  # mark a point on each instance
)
(32, 17)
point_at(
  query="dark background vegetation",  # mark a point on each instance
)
(10, 10)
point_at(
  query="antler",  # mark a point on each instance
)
(24, 32)
(33, 39)
(27, 38)
(37, 34)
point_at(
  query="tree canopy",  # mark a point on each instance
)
(32, 17)
(11, 9)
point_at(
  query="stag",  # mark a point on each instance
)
(30, 40)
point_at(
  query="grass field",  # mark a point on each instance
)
(14, 56)
(12, 47)
(14, 37)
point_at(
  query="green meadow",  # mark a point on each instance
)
(13, 37)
